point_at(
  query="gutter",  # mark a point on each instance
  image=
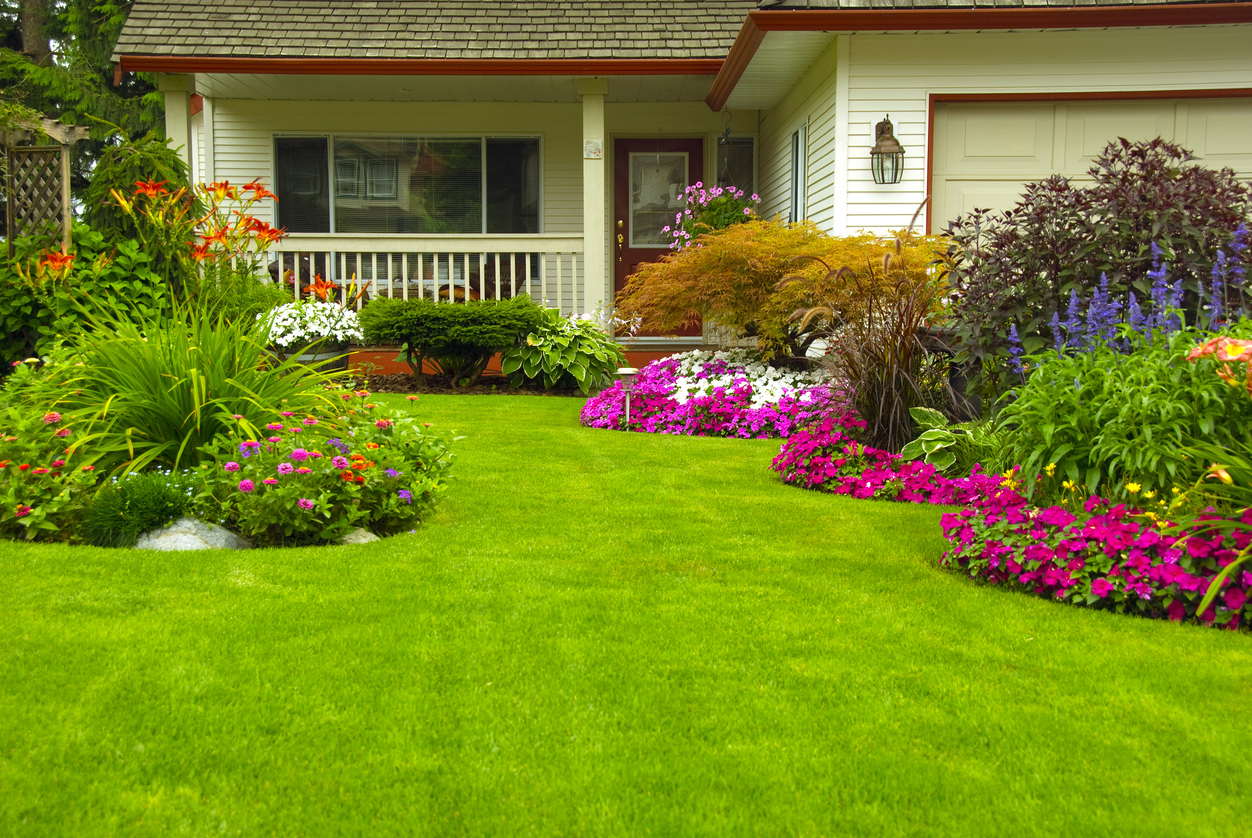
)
(420, 66)
(758, 23)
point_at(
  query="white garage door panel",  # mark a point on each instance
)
(1091, 126)
(984, 151)
(1222, 132)
(964, 196)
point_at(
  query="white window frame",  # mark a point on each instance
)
(798, 210)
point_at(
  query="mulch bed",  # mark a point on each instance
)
(403, 382)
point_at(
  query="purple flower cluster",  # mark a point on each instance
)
(1111, 557)
(657, 406)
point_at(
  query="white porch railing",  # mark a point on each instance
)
(452, 268)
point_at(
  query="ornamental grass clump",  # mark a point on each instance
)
(310, 479)
(125, 509)
(729, 394)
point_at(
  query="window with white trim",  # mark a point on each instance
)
(797, 211)
(385, 185)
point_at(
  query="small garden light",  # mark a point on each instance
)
(886, 158)
(627, 376)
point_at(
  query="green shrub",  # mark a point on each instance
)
(954, 449)
(458, 339)
(1106, 419)
(565, 352)
(119, 168)
(1020, 266)
(125, 509)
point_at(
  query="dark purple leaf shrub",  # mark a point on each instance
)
(1022, 265)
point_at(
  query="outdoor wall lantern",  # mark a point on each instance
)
(627, 376)
(886, 158)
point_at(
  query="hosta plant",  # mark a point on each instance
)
(565, 352)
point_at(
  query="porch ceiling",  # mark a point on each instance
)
(780, 61)
(651, 88)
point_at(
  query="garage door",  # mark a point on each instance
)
(985, 152)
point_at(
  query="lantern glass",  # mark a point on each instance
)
(888, 166)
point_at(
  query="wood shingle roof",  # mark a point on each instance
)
(434, 29)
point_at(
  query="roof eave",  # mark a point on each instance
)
(758, 23)
(422, 66)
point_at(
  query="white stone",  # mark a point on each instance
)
(191, 534)
(360, 535)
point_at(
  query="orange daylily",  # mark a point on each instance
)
(265, 234)
(215, 237)
(201, 252)
(222, 190)
(150, 188)
(57, 261)
(321, 288)
(259, 192)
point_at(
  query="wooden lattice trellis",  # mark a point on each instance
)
(37, 182)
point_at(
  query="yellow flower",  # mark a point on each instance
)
(1133, 488)
(1068, 485)
(1050, 470)
(1150, 495)
(1176, 490)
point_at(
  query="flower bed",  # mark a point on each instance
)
(825, 456)
(1113, 557)
(714, 394)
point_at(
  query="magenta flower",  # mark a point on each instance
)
(310, 421)
(339, 462)
(285, 468)
(269, 481)
(273, 439)
(22, 510)
(1235, 598)
(62, 433)
(305, 503)
(299, 454)
(246, 485)
(274, 426)
(303, 470)
(287, 413)
(51, 418)
(231, 466)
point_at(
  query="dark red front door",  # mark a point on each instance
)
(649, 177)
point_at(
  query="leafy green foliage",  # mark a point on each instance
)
(119, 168)
(36, 309)
(458, 339)
(953, 449)
(565, 352)
(154, 392)
(44, 481)
(1106, 419)
(123, 510)
(1019, 266)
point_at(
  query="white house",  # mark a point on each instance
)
(486, 147)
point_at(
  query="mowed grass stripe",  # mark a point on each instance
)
(601, 634)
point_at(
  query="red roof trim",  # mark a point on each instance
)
(424, 66)
(918, 20)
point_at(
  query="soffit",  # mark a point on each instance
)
(781, 60)
(446, 88)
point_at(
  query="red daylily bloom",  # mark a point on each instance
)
(150, 188)
(57, 261)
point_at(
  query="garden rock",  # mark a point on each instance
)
(191, 534)
(360, 535)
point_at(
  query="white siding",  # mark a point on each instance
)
(896, 73)
(810, 103)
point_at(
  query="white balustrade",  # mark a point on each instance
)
(451, 268)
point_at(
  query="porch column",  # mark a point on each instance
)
(178, 90)
(595, 217)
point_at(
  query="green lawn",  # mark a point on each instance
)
(602, 633)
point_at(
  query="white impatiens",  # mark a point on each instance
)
(307, 321)
(699, 373)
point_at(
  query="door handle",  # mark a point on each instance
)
(620, 242)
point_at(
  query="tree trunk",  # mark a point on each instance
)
(33, 17)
